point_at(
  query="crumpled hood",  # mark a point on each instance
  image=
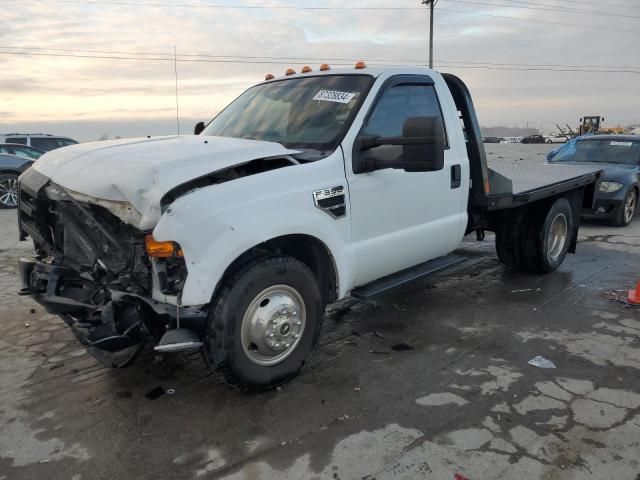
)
(140, 171)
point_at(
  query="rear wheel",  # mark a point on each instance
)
(535, 240)
(265, 323)
(627, 210)
(8, 190)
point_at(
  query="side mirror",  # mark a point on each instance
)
(428, 154)
(198, 128)
(422, 144)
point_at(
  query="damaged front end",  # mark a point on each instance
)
(92, 269)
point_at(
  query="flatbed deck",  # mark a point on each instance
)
(530, 176)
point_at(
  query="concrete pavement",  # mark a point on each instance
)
(463, 400)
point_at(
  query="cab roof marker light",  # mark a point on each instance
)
(306, 69)
(269, 76)
(290, 71)
(360, 65)
(324, 67)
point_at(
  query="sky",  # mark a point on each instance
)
(516, 67)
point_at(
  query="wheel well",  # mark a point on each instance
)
(305, 248)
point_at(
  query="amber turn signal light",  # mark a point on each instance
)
(158, 249)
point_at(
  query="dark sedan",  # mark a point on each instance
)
(619, 188)
(11, 166)
(533, 139)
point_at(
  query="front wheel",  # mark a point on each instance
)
(264, 323)
(627, 210)
(549, 141)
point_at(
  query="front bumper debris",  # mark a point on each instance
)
(101, 317)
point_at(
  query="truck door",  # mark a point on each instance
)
(400, 219)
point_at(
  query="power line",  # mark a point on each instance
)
(566, 24)
(557, 9)
(287, 59)
(272, 62)
(287, 7)
(129, 3)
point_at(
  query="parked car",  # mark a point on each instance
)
(619, 157)
(307, 189)
(511, 140)
(533, 139)
(20, 150)
(11, 166)
(42, 141)
(491, 139)
(557, 138)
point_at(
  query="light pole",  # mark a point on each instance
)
(431, 4)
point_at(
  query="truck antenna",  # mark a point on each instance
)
(175, 69)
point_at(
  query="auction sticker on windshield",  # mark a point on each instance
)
(334, 96)
(621, 144)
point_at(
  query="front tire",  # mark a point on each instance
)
(627, 210)
(264, 323)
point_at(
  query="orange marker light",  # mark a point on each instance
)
(290, 71)
(360, 65)
(324, 67)
(269, 76)
(305, 69)
(161, 249)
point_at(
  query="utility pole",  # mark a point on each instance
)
(431, 4)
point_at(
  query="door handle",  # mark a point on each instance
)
(456, 176)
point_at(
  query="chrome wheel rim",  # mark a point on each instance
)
(557, 236)
(9, 192)
(630, 207)
(273, 325)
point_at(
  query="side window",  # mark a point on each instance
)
(399, 103)
(20, 140)
(44, 144)
(63, 142)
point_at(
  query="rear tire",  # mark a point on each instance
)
(536, 241)
(264, 323)
(627, 210)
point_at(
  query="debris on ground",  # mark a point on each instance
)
(402, 347)
(356, 389)
(57, 365)
(353, 343)
(170, 391)
(378, 352)
(155, 393)
(458, 476)
(378, 334)
(527, 290)
(541, 362)
(26, 324)
(33, 310)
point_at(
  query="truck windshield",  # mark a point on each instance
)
(305, 113)
(599, 151)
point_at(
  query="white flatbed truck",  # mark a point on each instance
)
(305, 190)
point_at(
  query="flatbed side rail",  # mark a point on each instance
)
(498, 202)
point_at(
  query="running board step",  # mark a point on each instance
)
(404, 276)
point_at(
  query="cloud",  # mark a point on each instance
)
(66, 89)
